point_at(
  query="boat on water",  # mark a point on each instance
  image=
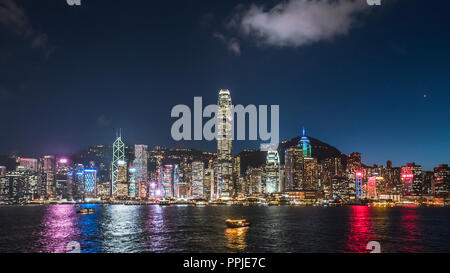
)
(201, 203)
(164, 202)
(85, 211)
(237, 223)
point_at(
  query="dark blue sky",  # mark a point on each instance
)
(69, 76)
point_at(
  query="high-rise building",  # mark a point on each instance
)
(2, 171)
(29, 163)
(122, 181)
(224, 172)
(90, 183)
(412, 179)
(372, 187)
(208, 183)
(132, 174)
(168, 179)
(19, 186)
(272, 172)
(197, 179)
(49, 169)
(255, 181)
(441, 182)
(140, 164)
(301, 169)
(118, 156)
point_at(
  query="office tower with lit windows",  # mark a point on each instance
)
(224, 171)
(302, 170)
(331, 168)
(208, 183)
(29, 163)
(122, 180)
(255, 183)
(76, 178)
(49, 169)
(118, 156)
(411, 179)
(272, 170)
(140, 164)
(168, 179)
(19, 186)
(90, 183)
(197, 179)
(237, 180)
(441, 181)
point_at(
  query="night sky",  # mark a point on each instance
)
(368, 79)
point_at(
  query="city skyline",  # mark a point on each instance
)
(377, 86)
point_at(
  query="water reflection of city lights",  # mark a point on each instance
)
(236, 238)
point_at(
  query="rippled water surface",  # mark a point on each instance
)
(121, 228)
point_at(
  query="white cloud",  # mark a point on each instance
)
(13, 18)
(232, 43)
(296, 23)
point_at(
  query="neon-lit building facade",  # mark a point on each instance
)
(411, 177)
(168, 179)
(305, 145)
(372, 187)
(132, 175)
(359, 185)
(90, 183)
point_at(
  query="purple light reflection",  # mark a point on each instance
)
(58, 229)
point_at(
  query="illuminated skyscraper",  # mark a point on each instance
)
(359, 185)
(197, 179)
(208, 183)
(122, 181)
(168, 178)
(224, 173)
(272, 172)
(118, 155)
(140, 164)
(302, 170)
(2, 171)
(132, 174)
(90, 183)
(441, 181)
(29, 163)
(411, 178)
(49, 168)
(372, 187)
(305, 145)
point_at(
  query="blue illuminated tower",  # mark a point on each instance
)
(305, 145)
(90, 183)
(359, 185)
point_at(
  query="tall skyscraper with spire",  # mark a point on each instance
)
(118, 157)
(301, 168)
(305, 145)
(224, 173)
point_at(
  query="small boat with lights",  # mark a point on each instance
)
(164, 202)
(85, 211)
(237, 223)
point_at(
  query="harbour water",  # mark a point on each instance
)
(280, 229)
